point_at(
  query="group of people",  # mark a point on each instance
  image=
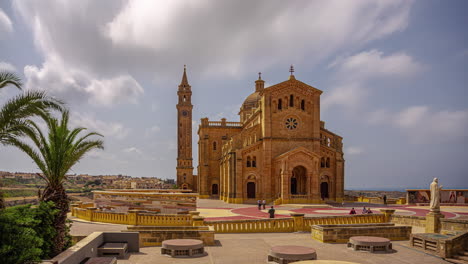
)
(261, 204)
(364, 211)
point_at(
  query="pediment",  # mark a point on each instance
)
(291, 85)
(295, 153)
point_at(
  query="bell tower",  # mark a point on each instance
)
(184, 135)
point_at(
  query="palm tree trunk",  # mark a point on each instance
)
(62, 202)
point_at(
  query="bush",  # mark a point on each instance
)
(26, 233)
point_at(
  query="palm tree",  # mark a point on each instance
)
(55, 155)
(16, 111)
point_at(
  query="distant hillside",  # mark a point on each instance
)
(390, 194)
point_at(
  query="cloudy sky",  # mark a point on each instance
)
(394, 75)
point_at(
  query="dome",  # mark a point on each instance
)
(251, 100)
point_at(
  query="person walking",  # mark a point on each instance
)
(264, 204)
(352, 211)
(385, 199)
(259, 203)
(272, 212)
(364, 210)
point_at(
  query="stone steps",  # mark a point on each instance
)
(461, 258)
(457, 261)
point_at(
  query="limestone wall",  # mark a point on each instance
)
(454, 225)
(419, 221)
(342, 233)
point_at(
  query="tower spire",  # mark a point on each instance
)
(291, 70)
(184, 81)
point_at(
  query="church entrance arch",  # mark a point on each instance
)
(185, 186)
(299, 180)
(324, 190)
(214, 189)
(251, 190)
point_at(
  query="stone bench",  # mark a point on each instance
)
(288, 254)
(370, 243)
(119, 250)
(183, 248)
(101, 260)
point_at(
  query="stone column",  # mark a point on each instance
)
(433, 222)
(73, 206)
(298, 222)
(387, 214)
(133, 217)
(90, 212)
(198, 221)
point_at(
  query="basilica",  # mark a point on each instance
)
(279, 151)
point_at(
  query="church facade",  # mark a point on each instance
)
(279, 151)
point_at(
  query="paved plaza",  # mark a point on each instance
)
(254, 247)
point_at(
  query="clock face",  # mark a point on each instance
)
(184, 113)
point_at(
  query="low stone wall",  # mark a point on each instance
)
(342, 233)
(453, 225)
(155, 235)
(419, 221)
(87, 247)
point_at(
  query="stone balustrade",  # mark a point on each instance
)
(274, 225)
(133, 217)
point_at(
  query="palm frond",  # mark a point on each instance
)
(9, 78)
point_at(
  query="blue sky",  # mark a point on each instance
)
(393, 73)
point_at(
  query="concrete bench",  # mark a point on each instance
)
(119, 250)
(288, 254)
(370, 243)
(183, 248)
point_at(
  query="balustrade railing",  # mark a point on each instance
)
(276, 225)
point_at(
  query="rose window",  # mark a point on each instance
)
(291, 123)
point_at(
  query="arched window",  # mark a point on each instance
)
(280, 104)
(291, 100)
(214, 145)
(248, 162)
(254, 162)
(322, 163)
(303, 105)
(185, 99)
(328, 163)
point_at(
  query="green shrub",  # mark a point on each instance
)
(26, 233)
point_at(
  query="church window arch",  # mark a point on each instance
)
(328, 163)
(322, 162)
(291, 100)
(214, 145)
(185, 98)
(249, 162)
(280, 104)
(303, 105)
(254, 162)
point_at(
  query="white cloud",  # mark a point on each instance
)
(354, 72)
(7, 66)
(6, 26)
(424, 125)
(76, 85)
(107, 129)
(214, 37)
(354, 151)
(132, 150)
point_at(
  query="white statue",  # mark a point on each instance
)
(435, 195)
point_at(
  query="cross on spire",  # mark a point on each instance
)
(291, 69)
(259, 75)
